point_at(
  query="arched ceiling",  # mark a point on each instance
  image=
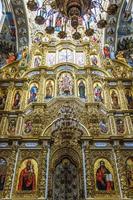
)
(20, 15)
(26, 26)
(117, 22)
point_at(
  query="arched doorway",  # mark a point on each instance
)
(66, 181)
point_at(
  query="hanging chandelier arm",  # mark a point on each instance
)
(98, 3)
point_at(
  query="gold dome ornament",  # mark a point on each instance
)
(32, 5)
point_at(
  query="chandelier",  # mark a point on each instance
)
(59, 12)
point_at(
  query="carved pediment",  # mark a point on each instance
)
(65, 117)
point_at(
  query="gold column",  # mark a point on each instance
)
(112, 124)
(9, 97)
(121, 171)
(122, 98)
(90, 93)
(10, 173)
(19, 125)
(41, 89)
(24, 97)
(87, 52)
(42, 182)
(89, 185)
(44, 53)
(4, 123)
(128, 123)
(107, 98)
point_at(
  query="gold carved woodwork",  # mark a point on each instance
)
(122, 156)
(11, 155)
(6, 154)
(65, 141)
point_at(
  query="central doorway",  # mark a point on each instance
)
(66, 181)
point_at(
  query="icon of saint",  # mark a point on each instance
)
(115, 103)
(27, 178)
(81, 89)
(104, 178)
(98, 93)
(49, 90)
(33, 93)
(16, 103)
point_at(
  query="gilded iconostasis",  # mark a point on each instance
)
(66, 101)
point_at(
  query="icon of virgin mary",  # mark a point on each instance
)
(27, 178)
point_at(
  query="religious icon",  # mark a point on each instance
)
(103, 126)
(51, 59)
(16, 103)
(120, 126)
(80, 59)
(106, 51)
(3, 169)
(3, 97)
(66, 55)
(94, 60)
(98, 93)
(33, 94)
(129, 171)
(12, 125)
(37, 61)
(27, 180)
(81, 87)
(11, 58)
(28, 126)
(65, 84)
(129, 98)
(115, 103)
(58, 23)
(49, 89)
(104, 177)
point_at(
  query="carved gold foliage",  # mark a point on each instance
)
(122, 156)
(118, 69)
(10, 170)
(37, 118)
